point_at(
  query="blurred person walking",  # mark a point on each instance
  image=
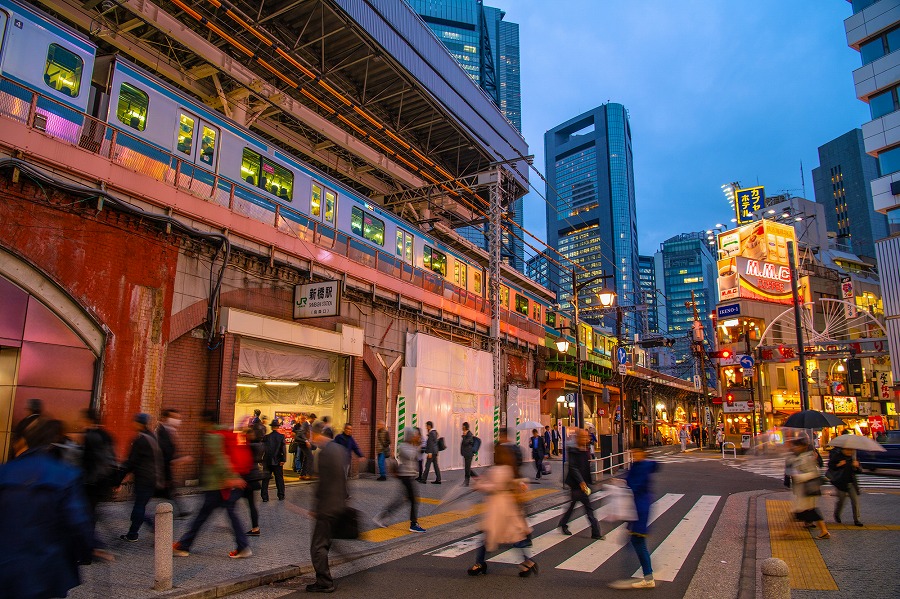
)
(167, 437)
(222, 487)
(805, 482)
(639, 480)
(538, 451)
(145, 462)
(407, 463)
(503, 522)
(44, 516)
(683, 437)
(382, 449)
(17, 439)
(99, 470)
(842, 469)
(468, 449)
(330, 505)
(431, 455)
(578, 480)
(275, 457)
(254, 477)
(346, 440)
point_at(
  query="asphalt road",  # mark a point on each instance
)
(693, 490)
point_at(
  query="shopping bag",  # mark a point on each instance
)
(346, 525)
(620, 504)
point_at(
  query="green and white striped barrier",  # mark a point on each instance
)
(496, 424)
(401, 420)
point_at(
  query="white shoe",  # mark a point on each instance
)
(643, 583)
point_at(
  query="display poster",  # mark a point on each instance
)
(841, 404)
(754, 263)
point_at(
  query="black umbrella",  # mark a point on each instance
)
(812, 419)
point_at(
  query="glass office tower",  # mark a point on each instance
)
(487, 48)
(591, 215)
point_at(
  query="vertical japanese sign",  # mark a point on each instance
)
(747, 201)
(849, 296)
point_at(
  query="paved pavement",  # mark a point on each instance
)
(746, 526)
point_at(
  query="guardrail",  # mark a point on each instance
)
(608, 463)
(53, 118)
(733, 449)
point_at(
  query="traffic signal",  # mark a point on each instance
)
(729, 398)
(722, 354)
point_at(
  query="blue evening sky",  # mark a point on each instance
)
(717, 90)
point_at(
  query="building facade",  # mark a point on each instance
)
(874, 30)
(843, 186)
(652, 297)
(487, 48)
(591, 216)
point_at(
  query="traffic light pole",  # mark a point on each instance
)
(752, 402)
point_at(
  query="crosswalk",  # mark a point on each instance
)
(568, 552)
(774, 468)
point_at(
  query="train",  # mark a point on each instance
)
(160, 126)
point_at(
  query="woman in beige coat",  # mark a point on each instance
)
(503, 522)
(803, 468)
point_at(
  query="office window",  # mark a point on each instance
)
(883, 103)
(889, 161)
(63, 70)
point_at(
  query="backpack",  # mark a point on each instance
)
(441, 445)
(238, 451)
(100, 452)
(476, 444)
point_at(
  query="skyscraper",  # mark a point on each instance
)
(591, 216)
(487, 48)
(652, 297)
(842, 183)
(874, 30)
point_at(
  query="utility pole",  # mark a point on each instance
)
(495, 246)
(748, 352)
(622, 437)
(579, 406)
(697, 342)
(798, 321)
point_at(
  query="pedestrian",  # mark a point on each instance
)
(639, 480)
(407, 459)
(275, 457)
(467, 450)
(301, 444)
(99, 469)
(683, 437)
(17, 441)
(330, 505)
(346, 440)
(306, 447)
(554, 439)
(695, 435)
(254, 477)
(423, 443)
(538, 449)
(44, 517)
(382, 449)
(431, 455)
(805, 482)
(720, 438)
(222, 487)
(578, 480)
(167, 437)
(257, 423)
(842, 469)
(503, 521)
(548, 442)
(145, 462)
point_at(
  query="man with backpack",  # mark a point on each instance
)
(431, 454)
(225, 458)
(145, 461)
(468, 447)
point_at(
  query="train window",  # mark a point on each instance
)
(315, 202)
(329, 208)
(63, 70)
(476, 280)
(277, 180)
(208, 146)
(460, 274)
(536, 312)
(132, 108)
(521, 304)
(504, 296)
(367, 226)
(185, 134)
(435, 261)
(405, 246)
(550, 318)
(250, 163)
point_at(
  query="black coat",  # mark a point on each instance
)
(841, 476)
(579, 470)
(167, 447)
(538, 448)
(467, 445)
(275, 452)
(145, 461)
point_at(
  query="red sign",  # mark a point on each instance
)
(750, 403)
(876, 424)
(717, 401)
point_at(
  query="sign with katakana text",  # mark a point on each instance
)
(317, 299)
(747, 201)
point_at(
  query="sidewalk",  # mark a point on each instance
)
(282, 549)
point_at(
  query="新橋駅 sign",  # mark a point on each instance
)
(753, 263)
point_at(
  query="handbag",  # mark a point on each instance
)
(813, 487)
(346, 525)
(620, 504)
(292, 448)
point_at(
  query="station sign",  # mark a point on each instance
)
(754, 263)
(314, 300)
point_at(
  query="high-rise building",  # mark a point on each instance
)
(843, 186)
(537, 269)
(591, 216)
(487, 48)
(874, 30)
(652, 296)
(686, 264)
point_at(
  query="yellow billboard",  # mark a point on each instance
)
(753, 263)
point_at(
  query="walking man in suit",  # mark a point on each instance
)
(431, 455)
(275, 457)
(330, 504)
(538, 449)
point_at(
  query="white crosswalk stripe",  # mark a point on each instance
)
(668, 558)
(774, 468)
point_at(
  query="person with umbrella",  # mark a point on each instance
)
(842, 469)
(802, 467)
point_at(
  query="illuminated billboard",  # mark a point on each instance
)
(747, 201)
(753, 263)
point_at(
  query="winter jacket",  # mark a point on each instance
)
(503, 521)
(275, 453)
(408, 460)
(841, 476)
(145, 460)
(639, 481)
(467, 445)
(383, 441)
(431, 445)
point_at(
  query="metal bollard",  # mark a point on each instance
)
(162, 561)
(776, 582)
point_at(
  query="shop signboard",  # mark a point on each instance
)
(736, 407)
(747, 201)
(754, 263)
(786, 403)
(849, 296)
(314, 300)
(876, 424)
(841, 404)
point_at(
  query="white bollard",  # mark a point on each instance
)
(162, 562)
(776, 582)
